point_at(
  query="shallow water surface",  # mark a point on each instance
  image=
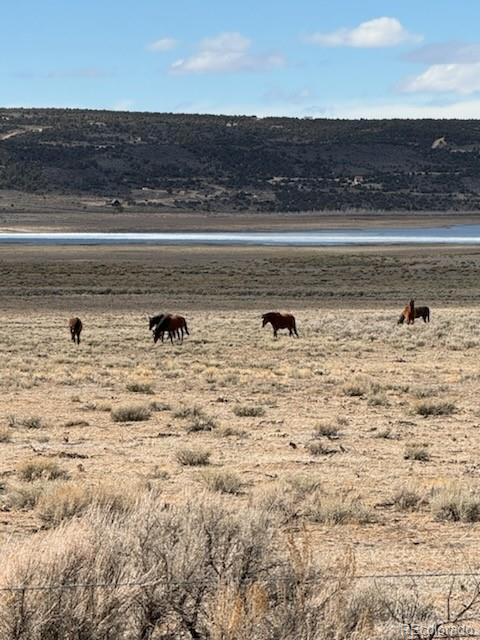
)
(454, 234)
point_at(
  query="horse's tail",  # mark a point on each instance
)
(295, 328)
(186, 328)
(428, 314)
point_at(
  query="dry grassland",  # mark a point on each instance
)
(361, 437)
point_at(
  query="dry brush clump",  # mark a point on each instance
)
(223, 481)
(65, 500)
(249, 411)
(196, 570)
(192, 457)
(435, 408)
(418, 452)
(130, 413)
(39, 468)
(456, 502)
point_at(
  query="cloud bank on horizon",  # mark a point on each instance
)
(306, 60)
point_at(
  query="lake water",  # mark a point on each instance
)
(455, 234)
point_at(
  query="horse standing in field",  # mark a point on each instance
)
(420, 312)
(154, 321)
(408, 313)
(75, 326)
(280, 321)
(175, 325)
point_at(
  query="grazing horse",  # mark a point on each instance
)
(408, 313)
(154, 321)
(75, 326)
(420, 312)
(175, 325)
(280, 321)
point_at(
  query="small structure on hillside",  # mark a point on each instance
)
(440, 143)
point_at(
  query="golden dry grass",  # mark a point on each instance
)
(352, 382)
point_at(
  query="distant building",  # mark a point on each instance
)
(440, 143)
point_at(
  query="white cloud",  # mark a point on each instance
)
(227, 52)
(164, 44)
(379, 32)
(447, 78)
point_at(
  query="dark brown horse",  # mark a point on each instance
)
(154, 321)
(175, 325)
(280, 321)
(420, 312)
(75, 326)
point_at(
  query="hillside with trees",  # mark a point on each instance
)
(219, 163)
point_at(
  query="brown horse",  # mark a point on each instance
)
(153, 321)
(280, 321)
(75, 326)
(408, 313)
(175, 325)
(420, 312)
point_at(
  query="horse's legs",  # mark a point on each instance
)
(170, 335)
(78, 338)
(274, 333)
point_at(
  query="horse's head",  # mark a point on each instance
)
(401, 319)
(151, 322)
(264, 319)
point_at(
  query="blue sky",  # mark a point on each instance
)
(348, 58)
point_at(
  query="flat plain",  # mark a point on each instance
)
(363, 434)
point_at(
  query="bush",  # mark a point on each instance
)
(200, 421)
(192, 457)
(66, 499)
(407, 498)
(435, 409)
(326, 430)
(338, 510)
(457, 503)
(223, 482)
(249, 411)
(23, 497)
(34, 422)
(221, 575)
(213, 572)
(318, 449)
(130, 413)
(37, 469)
(140, 387)
(416, 452)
